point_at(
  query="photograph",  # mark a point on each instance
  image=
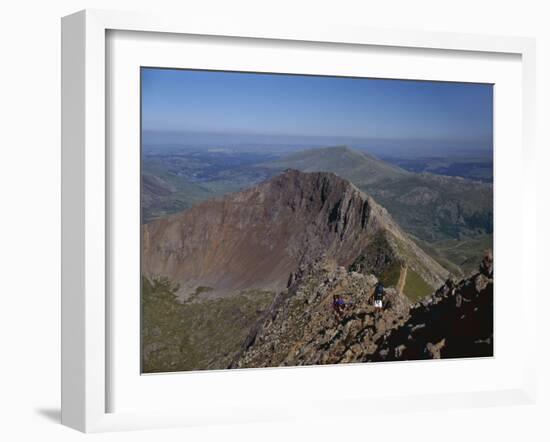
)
(300, 220)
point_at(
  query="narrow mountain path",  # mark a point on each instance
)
(454, 246)
(402, 279)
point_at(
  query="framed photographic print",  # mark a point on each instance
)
(250, 213)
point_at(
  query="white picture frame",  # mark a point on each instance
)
(85, 202)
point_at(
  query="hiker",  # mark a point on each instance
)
(378, 295)
(338, 305)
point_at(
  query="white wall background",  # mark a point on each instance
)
(30, 219)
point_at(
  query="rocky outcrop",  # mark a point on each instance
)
(456, 322)
(302, 328)
(256, 238)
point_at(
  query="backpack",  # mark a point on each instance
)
(379, 291)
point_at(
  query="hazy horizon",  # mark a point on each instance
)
(152, 140)
(231, 109)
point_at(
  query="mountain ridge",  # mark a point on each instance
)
(257, 238)
(429, 206)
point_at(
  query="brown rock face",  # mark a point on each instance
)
(258, 237)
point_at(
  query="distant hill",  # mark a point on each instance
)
(477, 166)
(174, 180)
(160, 196)
(436, 207)
(430, 207)
(358, 167)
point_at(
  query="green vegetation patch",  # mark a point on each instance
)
(390, 276)
(198, 335)
(434, 208)
(376, 258)
(465, 255)
(197, 293)
(415, 287)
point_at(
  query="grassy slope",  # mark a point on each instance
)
(415, 287)
(390, 276)
(461, 257)
(431, 250)
(194, 179)
(436, 208)
(196, 335)
(181, 195)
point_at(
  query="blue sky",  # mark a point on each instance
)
(315, 106)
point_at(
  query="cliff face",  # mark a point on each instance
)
(258, 238)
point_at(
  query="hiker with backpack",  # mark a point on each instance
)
(379, 295)
(338, 305)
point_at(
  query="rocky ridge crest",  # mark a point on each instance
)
(301, 328)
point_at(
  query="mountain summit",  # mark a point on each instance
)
(358, 167)
(258, 238)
